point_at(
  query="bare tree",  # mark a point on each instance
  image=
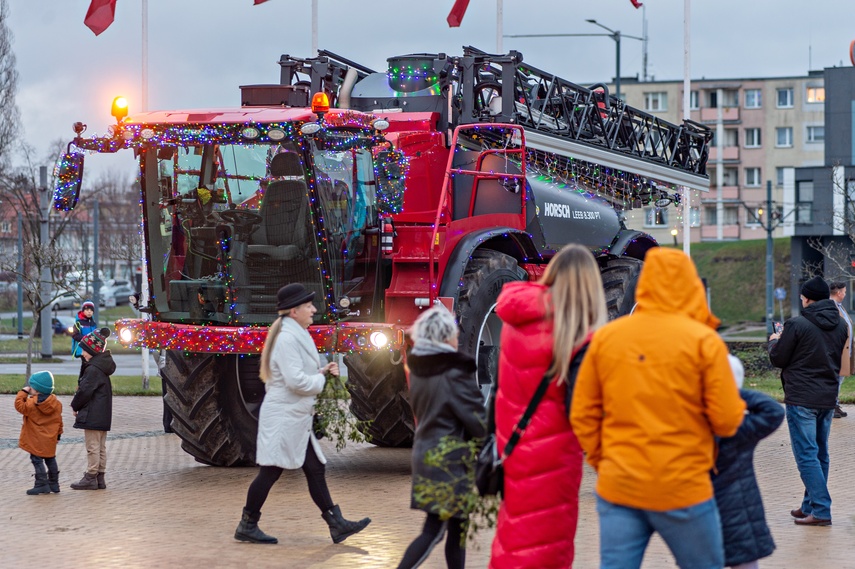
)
(836, 253)
(120, 218)
(9, 116)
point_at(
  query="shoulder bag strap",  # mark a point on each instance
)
(526, 418)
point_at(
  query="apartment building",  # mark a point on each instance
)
(764, 126)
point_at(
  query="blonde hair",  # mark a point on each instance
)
(272, 333)
(578, 303)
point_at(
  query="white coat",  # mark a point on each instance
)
(285, 417)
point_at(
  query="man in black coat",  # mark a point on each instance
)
(93, 406)
(808, 353)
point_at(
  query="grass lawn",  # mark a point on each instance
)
(67, 384)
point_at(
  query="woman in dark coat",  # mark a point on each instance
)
(446, 402)
(743, 522)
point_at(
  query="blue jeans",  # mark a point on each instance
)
(692, 534)
(809, 429)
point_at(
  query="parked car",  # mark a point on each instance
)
(66, 300)
(117, 289)
(63, 325)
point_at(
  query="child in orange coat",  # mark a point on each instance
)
(41, 429)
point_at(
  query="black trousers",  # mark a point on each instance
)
(39, 463)
(267, 476)
(432, 532)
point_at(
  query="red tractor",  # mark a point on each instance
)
(437, 180)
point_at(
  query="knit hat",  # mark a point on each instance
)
(95, 341)
(87, 304)
(42, 381)
(816, 289)
(292, 295)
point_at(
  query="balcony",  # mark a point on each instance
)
(710, 115)
(710, 232)
(727, 193)
(729, 154)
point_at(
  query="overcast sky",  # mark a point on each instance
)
(200, 51)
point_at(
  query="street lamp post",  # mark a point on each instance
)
(614, 34)
(773, 219)
(674, 235)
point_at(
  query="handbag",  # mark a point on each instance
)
(489, 472)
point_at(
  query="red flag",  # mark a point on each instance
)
(636, 3)
(457, 11)
(257, 2)
(100, 15)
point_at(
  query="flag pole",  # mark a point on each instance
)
(144, 80)
(314, 28)
(499, 25)
(687, 99)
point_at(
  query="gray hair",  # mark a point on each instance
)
(436, 325)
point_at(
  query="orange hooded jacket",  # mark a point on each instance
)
(653, 391)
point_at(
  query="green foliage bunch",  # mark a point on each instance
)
(480, 512)
(333, 418)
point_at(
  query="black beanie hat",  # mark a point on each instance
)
(816, 289)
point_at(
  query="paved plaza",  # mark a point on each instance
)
(162, 509)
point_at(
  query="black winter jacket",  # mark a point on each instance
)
(743, 522)
(93, 399)
(808, 354)
(446, 401)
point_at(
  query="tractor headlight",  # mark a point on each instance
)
(126, 335)
(379, 339)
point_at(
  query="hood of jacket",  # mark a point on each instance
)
(669, 282)
(104, 362)
(437, 364)
(49, 404)
(823, 313)
(522, 302)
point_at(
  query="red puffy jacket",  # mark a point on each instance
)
(537, 519)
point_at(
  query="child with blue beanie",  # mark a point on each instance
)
(41, 429)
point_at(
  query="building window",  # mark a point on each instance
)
(656, 101)
(816, 134)
(784, 136)
(752, 177)
(730, 217)
(731, 177)
(785, 98)
(655, 217)
(804, 201)
(730, 98)
(694, 101)
(695, 216)
(5, 227)
(779, 175)
(815, 95)
(731, 138)
(752, 138)
(753, 99)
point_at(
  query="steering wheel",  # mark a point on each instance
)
(243, 220)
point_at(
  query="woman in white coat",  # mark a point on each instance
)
(290, 368)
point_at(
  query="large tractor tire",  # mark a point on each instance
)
(487, 272)
(208, 396)
(620, 277)
(379, 396)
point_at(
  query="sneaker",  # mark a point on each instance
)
(839, 413)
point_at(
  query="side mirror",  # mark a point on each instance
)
(69, 177)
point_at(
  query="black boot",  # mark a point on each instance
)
(88, 482)
(340, 528)
(41, 486)
(102, 484)
(247, 529)
(53, 479)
